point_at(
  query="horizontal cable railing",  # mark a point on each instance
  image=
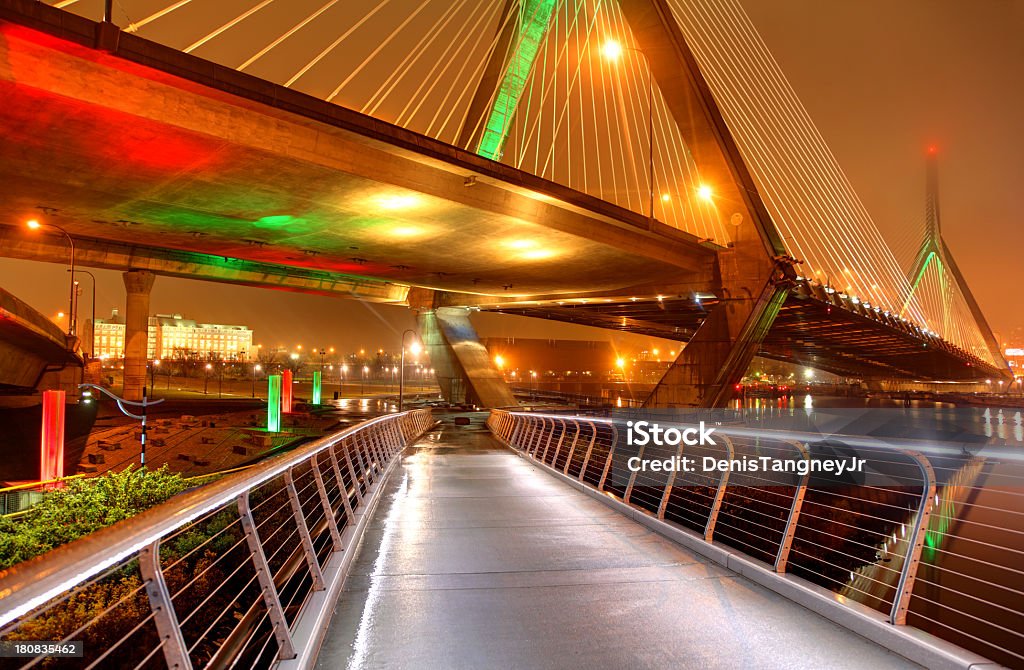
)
(933, 539)
(215, 577)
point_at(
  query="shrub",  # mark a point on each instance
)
(84, 506)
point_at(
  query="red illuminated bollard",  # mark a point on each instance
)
(51, 457)
(286, 392)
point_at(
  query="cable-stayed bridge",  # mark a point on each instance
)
(641, 165)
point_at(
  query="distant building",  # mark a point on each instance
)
(171, 333)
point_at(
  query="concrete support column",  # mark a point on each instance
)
(137, 284)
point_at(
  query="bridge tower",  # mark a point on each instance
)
(935, 253)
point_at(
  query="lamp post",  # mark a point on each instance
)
(121, 402)
(343, 370)
(34, 224)
(92, 328)
(612, 50)
(152, 374)
(416, 348)
(255, 368)
(362, 381)
(206, 379)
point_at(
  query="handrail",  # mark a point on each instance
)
(863, 540)
(30, 584)
(32, 485)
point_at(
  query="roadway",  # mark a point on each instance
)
(476, 559)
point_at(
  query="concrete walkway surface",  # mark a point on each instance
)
(476, 558)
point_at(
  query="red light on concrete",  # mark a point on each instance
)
(286, 392)
(51, 457)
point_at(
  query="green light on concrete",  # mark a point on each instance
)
(316, 387)
(534, 20)
(274, 403)
(275, 221)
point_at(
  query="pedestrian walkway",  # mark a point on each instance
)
(476, 558)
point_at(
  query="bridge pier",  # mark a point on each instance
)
(753, 289)
(137, 284)
(462, 366)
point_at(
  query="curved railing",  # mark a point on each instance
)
(241, 572)
(922, 541)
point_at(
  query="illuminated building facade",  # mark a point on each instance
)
(172, 333)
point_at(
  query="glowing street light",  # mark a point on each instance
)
(705, 193)
(415, 348)
(34, 224)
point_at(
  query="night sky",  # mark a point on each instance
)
(882, 81)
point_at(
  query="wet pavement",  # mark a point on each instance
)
(475, 558)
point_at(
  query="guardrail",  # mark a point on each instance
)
(921, 544)
(242, 572)
(17, 499)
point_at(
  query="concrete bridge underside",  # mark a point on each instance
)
(158, 161)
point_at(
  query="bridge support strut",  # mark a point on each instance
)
(462, 365)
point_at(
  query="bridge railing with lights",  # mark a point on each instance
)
(241, 572)
(933, 540)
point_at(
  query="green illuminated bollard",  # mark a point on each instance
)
(274, 403)
(316, 387)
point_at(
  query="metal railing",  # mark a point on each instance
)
(934, 539)
(220, 576)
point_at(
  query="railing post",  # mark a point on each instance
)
(547, 445)
(572, 447)
(362, 456)
(663, 505)
(535, 437)
(632, 478)
(908, 574)
(270, 598)
(342, 489)
(517, 427)
(709, 528)
(304, 537)
(166, 619)
(608, 462)
(558, 445)
(543, 432)
(325, 503)
(347, 450)
(782, 556)
(373, 445)
(590, 450)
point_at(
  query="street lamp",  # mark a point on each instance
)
(152, 374)
(121, 402)
(92, 328)
(362, 381)
(255, 368)
(612, 51)
(206, 380)
(415, 347)
(344, 369)
(33, 224)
